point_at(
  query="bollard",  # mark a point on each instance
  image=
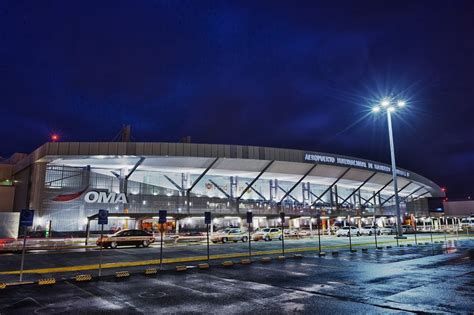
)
(122, 274)
(401, 245)
(379, 248)
(353, 250)
(297, 256)
(3, 285)
(321, 254)
(335, 253)
(388, 247)
(151, 271)
(83, 278)
(245, 261)
(181, 268)
(365, 250)
(281, 258)
(47, 281)
(409, 245)
(228, 263)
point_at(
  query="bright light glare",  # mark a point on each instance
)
(401, 103)
(385, 103)
(376, 109)
(391, 109)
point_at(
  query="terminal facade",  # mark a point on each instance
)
(68, 182)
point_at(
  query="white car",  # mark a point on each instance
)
(344, 231)
(388, 230)
(369, 230)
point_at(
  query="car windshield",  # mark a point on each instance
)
(119, 233)
(266, 230)
(367, 227)
(345, 228)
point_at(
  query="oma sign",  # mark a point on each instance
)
(105, 197)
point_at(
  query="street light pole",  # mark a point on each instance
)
(394, 173)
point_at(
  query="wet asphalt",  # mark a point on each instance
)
(424, 279)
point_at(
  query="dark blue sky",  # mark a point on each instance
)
(294, 74)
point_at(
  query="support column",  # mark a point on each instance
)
(176, 222)
(329, 225)
(310, 226)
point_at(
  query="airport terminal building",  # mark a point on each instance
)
(67, 182)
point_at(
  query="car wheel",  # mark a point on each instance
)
(146, 243)
(280, 237)
(358, 234)
(338, 235)
(235, 241)
(224, 240)
(370, 233)
(113, 245)
(245, 239)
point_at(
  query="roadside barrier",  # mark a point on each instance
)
(181, 268)
(203, 266)
(151, 271)
(298, 256)
(83, 278)
(365, 250)
(353, 250)
(3, 285)
(335, 253)
(122, 274)
(388, 247)
(281, 257)
(321, 254)
(266, 259)
(245, 261)
(228, 263)
(47, 281)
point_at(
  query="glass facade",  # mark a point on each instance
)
(188, 186)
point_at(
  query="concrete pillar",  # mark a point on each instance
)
(329, 226)
(177, 226)
(359, 223)
(310, 226)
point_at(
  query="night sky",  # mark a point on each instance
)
(291, 74)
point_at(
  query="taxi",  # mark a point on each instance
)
(127, 238)
(267, 234)
(230, 234)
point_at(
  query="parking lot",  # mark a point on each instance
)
(425, 278)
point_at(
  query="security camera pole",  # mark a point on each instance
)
(161, 221)
(103, 218)
(249, 222)
(26, 220)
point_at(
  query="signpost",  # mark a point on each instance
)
(249, 222)
(282, 218)
(207, 221)
(349, 231)
(161, 221)
(103, 218)
(26, 220)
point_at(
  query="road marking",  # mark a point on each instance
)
(190, 259)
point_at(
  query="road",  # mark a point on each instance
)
(409, 279)
(48, 263)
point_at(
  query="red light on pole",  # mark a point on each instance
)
(54, 137)
(443, 189)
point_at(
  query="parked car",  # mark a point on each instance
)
(344, 231)
(127, 238)
(388, 230)
(369, 230)
(230, 234)
(408, 229)
(291, 232)
(267, 234)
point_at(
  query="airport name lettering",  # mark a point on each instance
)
(351, 162)
(104, 197)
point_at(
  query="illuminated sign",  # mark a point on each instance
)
(105, 197)
(343, 161)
